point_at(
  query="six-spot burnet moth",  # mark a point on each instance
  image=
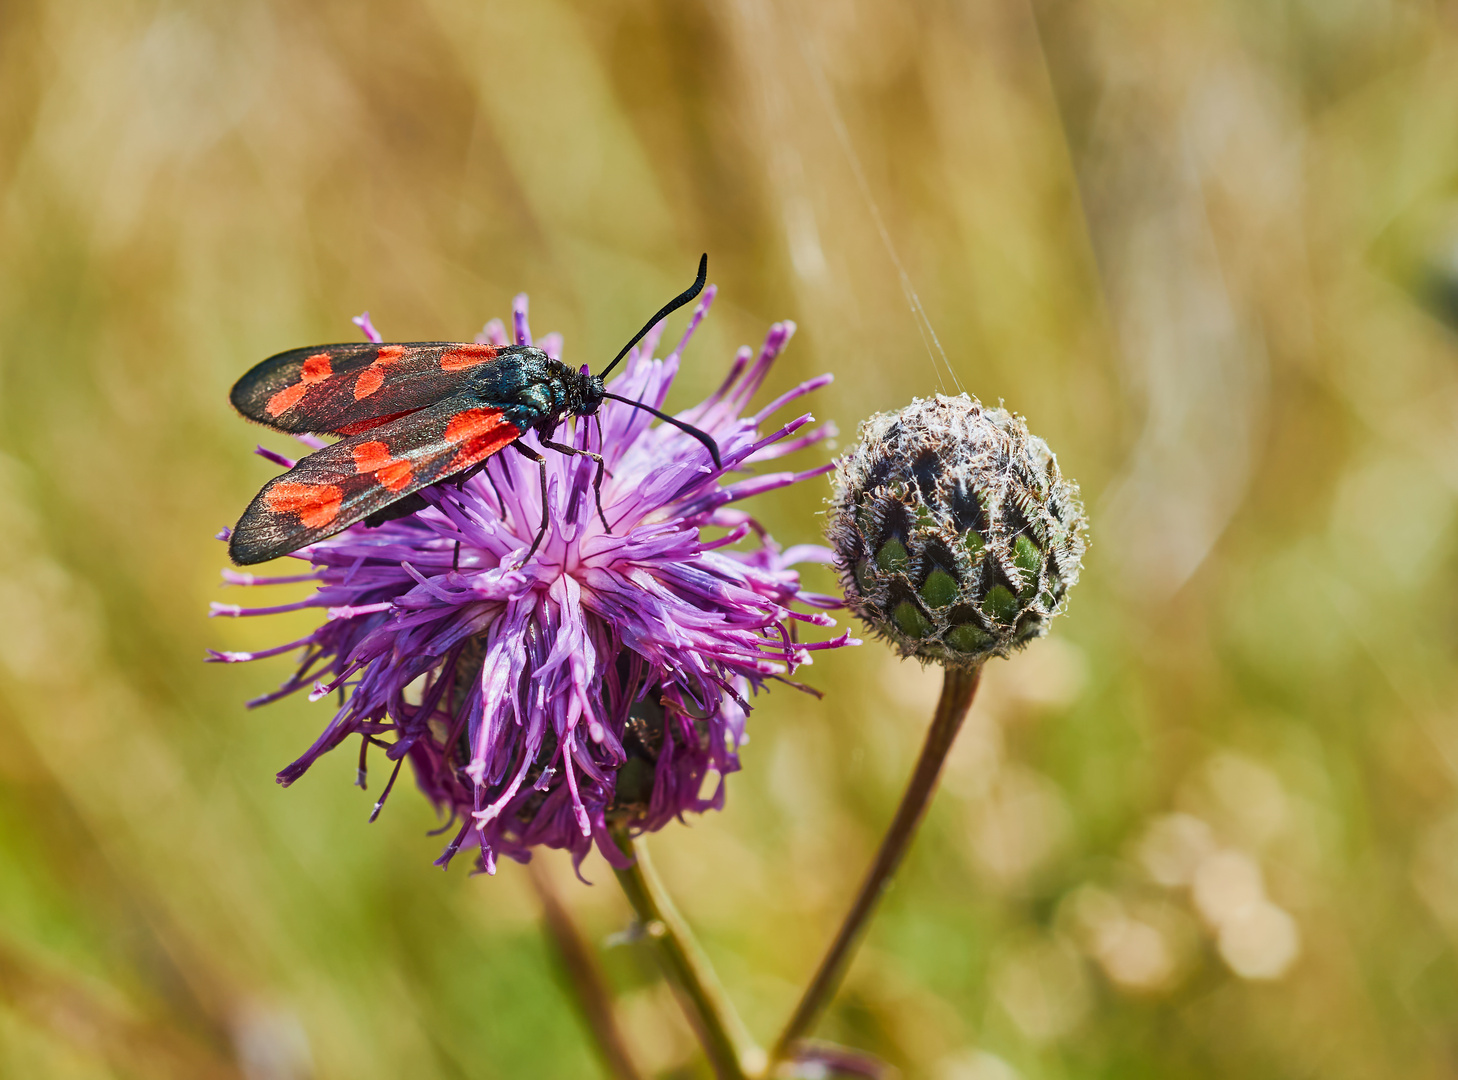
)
(411, 415)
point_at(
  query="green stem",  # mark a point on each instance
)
(594, 999)
(725, 1041)
(958, 688)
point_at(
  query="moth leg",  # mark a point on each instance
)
(523, 448)
(460, 478)
(572, 451)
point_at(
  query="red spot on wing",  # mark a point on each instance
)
(371, 456)
(395, 476)
(373, 377)
(316, 369)
(464, 356)
(470, 423)
(483, 445)
(370, 380)
(285, 399)
(315, 504)
(374, 457)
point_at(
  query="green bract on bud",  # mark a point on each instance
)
(954, 533)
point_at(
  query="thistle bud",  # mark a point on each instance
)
(955, 535)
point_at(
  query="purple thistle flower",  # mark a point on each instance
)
(605, 680)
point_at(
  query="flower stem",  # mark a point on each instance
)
(593, 996)
(726, 1043)
(958, 688)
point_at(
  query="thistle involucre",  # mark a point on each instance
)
(955, 535)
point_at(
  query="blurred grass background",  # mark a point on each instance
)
(1208, 828)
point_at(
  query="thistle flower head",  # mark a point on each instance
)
(954, 533)
(606, 678)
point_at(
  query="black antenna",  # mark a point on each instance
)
(703, 437)
(668, 309)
